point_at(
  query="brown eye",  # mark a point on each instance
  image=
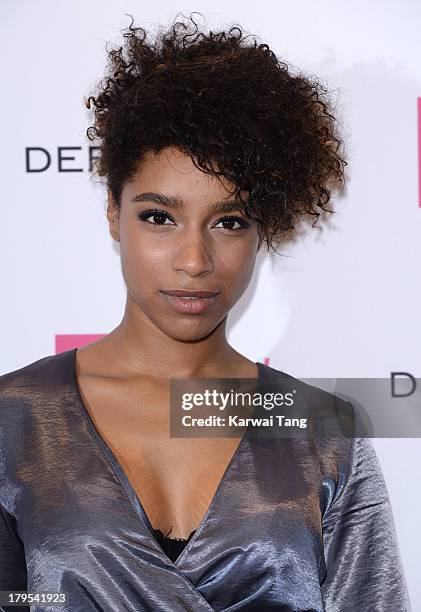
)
(230, 221)
(159, 216)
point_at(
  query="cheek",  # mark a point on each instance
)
(235, 256)
(236, 264)
(143, 261)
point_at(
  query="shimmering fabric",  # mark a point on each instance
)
(295, 524)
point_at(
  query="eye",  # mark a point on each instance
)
(229, 221)
(159, 216)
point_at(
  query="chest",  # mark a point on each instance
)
(175, 479)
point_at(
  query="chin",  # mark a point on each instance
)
(188, 330)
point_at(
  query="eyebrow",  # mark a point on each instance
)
(175, 202)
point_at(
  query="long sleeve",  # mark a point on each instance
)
(12, 558)
(363, 563)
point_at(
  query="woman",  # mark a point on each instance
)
(210, 146)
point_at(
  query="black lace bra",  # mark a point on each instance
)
(171, 546)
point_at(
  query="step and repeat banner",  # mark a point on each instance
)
(341, 302)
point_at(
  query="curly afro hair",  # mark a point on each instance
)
(228, 102)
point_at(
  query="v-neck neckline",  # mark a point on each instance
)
(125, 483)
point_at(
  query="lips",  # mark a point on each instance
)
(191, 294)
(190, 302)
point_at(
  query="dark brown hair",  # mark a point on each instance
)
(227, 101)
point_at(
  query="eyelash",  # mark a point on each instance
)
(156, 211)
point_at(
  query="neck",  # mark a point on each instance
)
(138, 345)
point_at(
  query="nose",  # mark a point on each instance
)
(193, 255)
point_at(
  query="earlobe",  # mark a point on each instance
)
(115, 228)
(113, 218)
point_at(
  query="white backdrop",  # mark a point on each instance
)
(345, 302)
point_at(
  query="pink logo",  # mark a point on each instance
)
(65, 342)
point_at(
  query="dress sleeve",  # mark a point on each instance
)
(13, 575)
(364, 570)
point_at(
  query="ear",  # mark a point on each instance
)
(113, 216)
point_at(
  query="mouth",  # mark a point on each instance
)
(190, 302)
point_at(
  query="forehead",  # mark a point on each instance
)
(171, 171)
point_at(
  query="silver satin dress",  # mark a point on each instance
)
(296, 524)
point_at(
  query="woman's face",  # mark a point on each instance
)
(179, 230)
